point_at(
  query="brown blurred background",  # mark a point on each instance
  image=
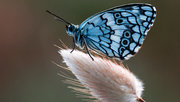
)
(27, 35)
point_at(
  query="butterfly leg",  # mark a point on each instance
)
(74, 46)
(87, 48)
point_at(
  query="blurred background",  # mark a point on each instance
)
(28, 33)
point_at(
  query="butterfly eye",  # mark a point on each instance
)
(70, 28)
(119, 21)
(127, 34)
(125, 42)
(117, 15)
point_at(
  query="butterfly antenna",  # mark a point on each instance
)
(58, 18)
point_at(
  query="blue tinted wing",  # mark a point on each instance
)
(119, 32)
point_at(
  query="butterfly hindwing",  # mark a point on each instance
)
(119, 32)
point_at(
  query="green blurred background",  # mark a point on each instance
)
(27, 35)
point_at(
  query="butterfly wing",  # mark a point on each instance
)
(119, 32)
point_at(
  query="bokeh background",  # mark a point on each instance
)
(27, 35)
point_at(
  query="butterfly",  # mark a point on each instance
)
(118, 32)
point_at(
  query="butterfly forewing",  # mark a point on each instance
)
(119, 32)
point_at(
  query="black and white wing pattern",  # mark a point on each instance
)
(119, 32)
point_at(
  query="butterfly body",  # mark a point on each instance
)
(118, 32)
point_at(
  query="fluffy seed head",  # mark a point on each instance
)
(105, 80)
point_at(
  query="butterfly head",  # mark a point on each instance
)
(71, 29)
